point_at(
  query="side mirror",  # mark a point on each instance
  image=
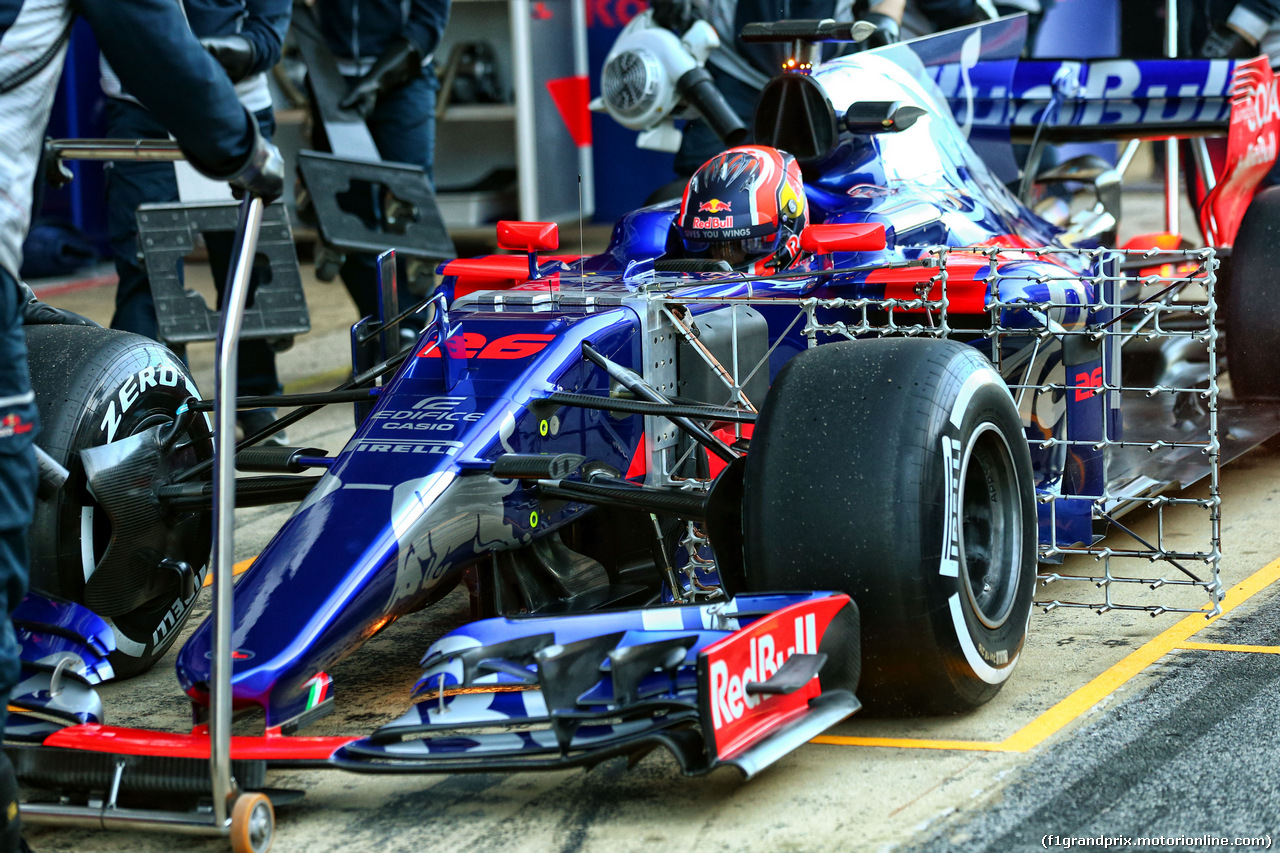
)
(867, 117)
(843, 237)
(530, 237)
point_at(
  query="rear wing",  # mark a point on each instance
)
(991, 90)
(1104, 99)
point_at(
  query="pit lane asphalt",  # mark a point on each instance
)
(1105, 730)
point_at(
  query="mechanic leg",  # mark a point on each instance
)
(257, 369)
(18, 425)
(10, 825)
(129, 185)
(403, 125)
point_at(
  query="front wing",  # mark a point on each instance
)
(738, 683)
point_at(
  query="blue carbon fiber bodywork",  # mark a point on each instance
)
(409, 505)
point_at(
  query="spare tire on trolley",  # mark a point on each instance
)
(897, 471)
(93, 387)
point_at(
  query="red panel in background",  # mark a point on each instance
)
(1251, 150)
(571, 96)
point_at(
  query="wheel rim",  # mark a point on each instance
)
(260, 829)
(990, 528)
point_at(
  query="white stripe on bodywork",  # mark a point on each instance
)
(662, 619)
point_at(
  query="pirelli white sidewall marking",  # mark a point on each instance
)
(87, 559)
(982, 669)
(953, 455)
(164, 374)
(951, 452)
(124, 644)
(976, 380)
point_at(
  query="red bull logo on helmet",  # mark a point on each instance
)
(713, 222)
(715, 206)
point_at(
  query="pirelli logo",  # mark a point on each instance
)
(429, 446)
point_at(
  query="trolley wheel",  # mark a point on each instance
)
(253, 823)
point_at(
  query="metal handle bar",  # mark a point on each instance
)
(224, 491)
(224, 410)
(113, 149)
(227, 348)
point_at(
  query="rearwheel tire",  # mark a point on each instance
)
(94, 386)
(896, 471)
(1251, 304)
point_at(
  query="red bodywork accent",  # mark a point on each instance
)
(1086, 382)
(571, 96)
(474, 345)
(122, 741)
(726, 434)
(753, 654)
(1007, 241)
(1251, 150)
(843, 237)
(495, 272)
(639, 460)
(528, 236)
(966, 287)
(468, 345)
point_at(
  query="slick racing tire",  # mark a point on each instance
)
(1251, 305)
(95, 386)
(896, 470)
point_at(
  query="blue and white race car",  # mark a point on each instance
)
(792, 443)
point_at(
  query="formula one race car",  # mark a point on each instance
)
(847, 360)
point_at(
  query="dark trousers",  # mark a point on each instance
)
(18, 427)
(403, 126)
(133, 184)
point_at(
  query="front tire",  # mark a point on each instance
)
(95, 386)
(896, 470)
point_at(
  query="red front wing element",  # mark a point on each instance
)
(749, 693)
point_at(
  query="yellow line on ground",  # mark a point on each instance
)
(912, 743)
(238, 569)
(1227, 647)
(1060, 715)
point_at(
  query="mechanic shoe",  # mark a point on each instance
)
(255, 420)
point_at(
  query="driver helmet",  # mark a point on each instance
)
(746, 206)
